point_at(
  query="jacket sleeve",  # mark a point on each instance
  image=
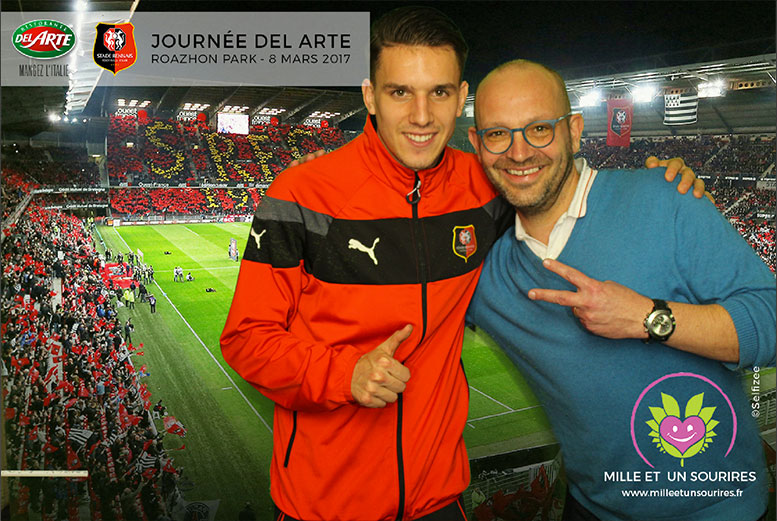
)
(295, 373)
(722, 268)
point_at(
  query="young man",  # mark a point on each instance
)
(349, 306)
(629, 415)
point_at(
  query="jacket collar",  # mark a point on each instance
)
(388, 170)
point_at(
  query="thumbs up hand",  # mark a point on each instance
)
(378, 377)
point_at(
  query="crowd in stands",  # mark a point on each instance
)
(173, 152)
(760, 235)
(189, 153)
(694, 150)
(164, 152)
(53, 166)
(744, 155)
(709, 154)
(144, 202)
(751, 212)
(15, 187)
(123, 157)
(74, 398)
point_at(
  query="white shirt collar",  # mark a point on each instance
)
(562, 230)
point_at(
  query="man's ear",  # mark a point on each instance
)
(576, 125)
(368, 95)
(473, 138)
(463, 91)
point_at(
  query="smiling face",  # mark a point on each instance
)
(534, 180)
(416, 98)
(682, 434)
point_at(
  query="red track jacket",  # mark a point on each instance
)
(342, 253)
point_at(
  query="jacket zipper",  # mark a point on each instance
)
(413, 199)
(400, 461)
(291, 441)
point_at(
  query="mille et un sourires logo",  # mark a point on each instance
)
(43, 39)
(687, 433)
(682, 438)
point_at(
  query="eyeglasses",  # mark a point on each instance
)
(538, 134)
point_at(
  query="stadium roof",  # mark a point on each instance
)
(26, 110)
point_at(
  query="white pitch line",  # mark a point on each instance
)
(195, 233)
(205, 347)
(492, 399)
(513, 411)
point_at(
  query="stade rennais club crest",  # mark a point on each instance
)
(114, 46)
(465, 243)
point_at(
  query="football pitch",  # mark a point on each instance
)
(228, 443)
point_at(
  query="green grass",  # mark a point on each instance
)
(228, 447)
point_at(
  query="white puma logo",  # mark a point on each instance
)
(356, 245)
(257, 237)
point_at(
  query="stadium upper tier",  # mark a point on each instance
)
(156, 151)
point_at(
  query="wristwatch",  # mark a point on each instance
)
(660, 323)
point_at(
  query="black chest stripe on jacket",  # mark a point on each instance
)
(379, 251)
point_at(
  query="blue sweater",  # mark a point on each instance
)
(600, 394)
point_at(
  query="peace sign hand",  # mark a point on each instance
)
(606, 308)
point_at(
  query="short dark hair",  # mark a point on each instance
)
(414, 25)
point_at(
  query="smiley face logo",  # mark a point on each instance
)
(685, 434)
(682, 438)
(682, 434)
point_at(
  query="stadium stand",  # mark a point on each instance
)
(75, 396)
(15, 187)
(53, 166)
(165, 151)
(134, 203)
(162, 168)
(743, 155)
(711, 154)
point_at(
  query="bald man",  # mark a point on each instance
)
(636, 373)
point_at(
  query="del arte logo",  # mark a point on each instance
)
(44, 39)
(682, 436)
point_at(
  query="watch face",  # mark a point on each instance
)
(661, 324)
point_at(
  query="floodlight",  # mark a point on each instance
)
(643, 94)
(712, 89)
(591, 98)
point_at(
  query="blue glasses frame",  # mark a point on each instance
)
(550, 122)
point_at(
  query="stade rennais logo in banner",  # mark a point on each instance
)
(620, 123)
(681, 432)
(114, 46)
(43, 39)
